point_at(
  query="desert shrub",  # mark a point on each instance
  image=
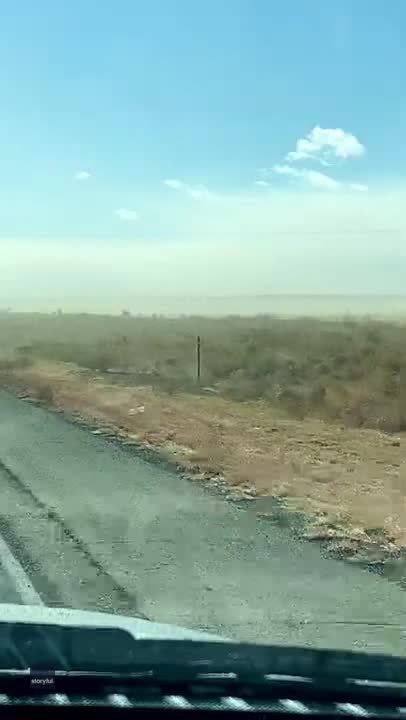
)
(352, 370)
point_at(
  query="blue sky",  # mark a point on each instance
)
(227, 146)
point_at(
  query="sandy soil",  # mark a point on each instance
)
(351, 483)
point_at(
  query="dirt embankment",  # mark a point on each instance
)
(351, 484)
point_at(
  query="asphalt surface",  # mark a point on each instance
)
(96, 527)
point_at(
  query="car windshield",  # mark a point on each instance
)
(202, 317)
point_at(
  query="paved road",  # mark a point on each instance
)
(97, 528)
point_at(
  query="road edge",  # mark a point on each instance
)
(18, 576)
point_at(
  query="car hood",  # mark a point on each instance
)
(139, 628)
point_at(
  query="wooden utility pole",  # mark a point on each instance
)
(198, 358)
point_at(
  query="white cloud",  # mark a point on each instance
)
(82, 175)
(261, 183)
(359, 187)
(198, 191)
(312, 177)
(174, 184)
(320, 180)
(195, 191)
(287, 170)
(326, 145)
(126, 214)
(294, 155)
